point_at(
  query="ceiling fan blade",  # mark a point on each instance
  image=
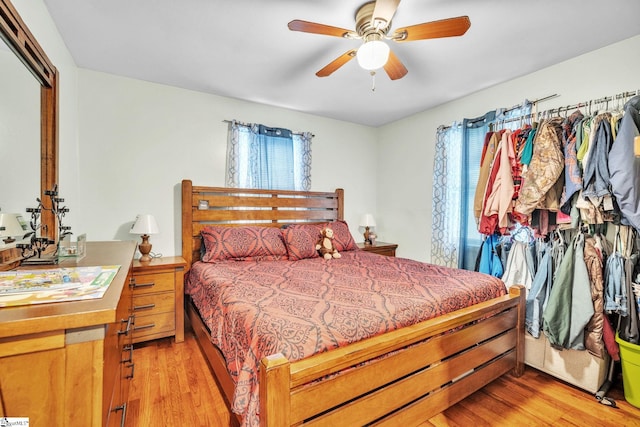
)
(337, 63)
(312, 27)
(433, 30)
(394, 67)
(384, 11)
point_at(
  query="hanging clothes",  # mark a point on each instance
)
(547, 164)
(624, 166)
(615, 291)
(594, 331)
(519, 269)
(498, 201)
(527, 150)
(489, 258)
(596, 169)
(492, 139)
(572, 170)
(539, 293)
(629, 328)
(569, 305)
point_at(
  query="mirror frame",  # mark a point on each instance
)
(17, 36)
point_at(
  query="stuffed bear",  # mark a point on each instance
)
(325, 245)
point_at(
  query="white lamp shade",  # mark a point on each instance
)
(373, 55)
(145, 224)
(12, 225)
(367, 221)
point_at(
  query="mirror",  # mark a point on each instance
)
(19, 134)
(29, 177)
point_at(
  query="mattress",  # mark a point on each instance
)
(300, 308)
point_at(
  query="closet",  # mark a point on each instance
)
(557, 201)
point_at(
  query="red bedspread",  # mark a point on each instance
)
(299, 308)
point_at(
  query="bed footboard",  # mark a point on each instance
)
(400, 378)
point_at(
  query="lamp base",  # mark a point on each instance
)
(145, 248)
(367, 234)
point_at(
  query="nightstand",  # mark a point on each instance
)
(158, 299)
(382, 248)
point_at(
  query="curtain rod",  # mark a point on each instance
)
(534, 102)
(249, 125)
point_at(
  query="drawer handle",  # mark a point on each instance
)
(128, 348)
(149, 326)
(133, 367)
(143, 285)
(129, 323)
(143, 307)
(122, 408)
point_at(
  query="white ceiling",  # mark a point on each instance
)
(243, 48)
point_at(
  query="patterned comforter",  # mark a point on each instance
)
(299, 308)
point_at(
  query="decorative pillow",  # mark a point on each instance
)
(301, 240)
(342, 238)
(243, 243)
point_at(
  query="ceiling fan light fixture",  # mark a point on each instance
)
(373, 54)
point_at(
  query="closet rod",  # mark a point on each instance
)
(248, 125)
(621, 95)
(552, 111)
(534, 102)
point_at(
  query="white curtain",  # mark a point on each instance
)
(447, 195)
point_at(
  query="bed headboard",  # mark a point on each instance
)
(236, 206)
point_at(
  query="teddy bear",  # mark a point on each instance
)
(325, 244)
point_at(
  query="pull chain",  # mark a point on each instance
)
(373, 81)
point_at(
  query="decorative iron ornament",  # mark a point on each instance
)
(34, 252)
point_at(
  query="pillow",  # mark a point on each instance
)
(243, 243)
(301, 240)
(342, 239)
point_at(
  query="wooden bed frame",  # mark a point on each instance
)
(428, 367)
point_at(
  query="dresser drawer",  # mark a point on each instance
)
(156, 282)
(152, 304)
(153, 324)
(158, 298)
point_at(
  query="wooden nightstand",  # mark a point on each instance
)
(382, 248)
(158, 299)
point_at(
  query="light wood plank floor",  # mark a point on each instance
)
(173, 386)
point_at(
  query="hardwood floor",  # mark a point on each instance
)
(174, 386)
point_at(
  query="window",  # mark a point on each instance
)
(455, 236)
(269, 158)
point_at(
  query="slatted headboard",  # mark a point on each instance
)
(236, 206)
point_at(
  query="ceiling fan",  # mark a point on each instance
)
(373, 25)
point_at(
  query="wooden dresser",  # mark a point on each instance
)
(69, 363)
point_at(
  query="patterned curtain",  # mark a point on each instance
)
(447, 195)
(302, 160)
(269, 158)
(233, 155)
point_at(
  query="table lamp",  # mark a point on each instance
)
(145, 225)
(11, 226)
(367, 221)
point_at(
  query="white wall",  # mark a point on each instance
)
(140, 139)
(406, 147)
